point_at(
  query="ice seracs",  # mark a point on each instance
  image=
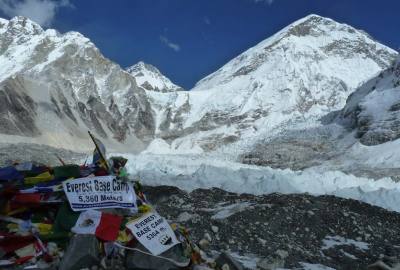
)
(190, 172)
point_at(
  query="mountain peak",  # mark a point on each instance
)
(140, 66)
(314, 16)
(3, 21)
(313, 39)
(314, 25)
(310, 18)
(22, 23)
(150, 78)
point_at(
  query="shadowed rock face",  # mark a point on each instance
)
(17, 110)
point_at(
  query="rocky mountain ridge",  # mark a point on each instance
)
(54, 87)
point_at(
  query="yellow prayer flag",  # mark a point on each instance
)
(43, 177)
(43, 228)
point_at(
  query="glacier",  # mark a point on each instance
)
(190, 172)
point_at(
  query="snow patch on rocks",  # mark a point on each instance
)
(332, 241)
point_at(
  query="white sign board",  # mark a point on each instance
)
(99, 192)
(153, 232)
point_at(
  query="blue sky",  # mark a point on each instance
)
(188, 39)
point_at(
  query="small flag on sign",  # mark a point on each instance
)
(105, 226)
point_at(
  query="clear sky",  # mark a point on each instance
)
(189, 39)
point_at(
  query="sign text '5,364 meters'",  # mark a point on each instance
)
(153, 232)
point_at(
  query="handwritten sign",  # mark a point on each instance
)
(99, 192)
(153, 232)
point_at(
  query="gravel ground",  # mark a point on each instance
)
(302, 228)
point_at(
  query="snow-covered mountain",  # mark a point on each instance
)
(373, 110)
(150, 78)
(286, 82)
(361, 139)
(54, 87)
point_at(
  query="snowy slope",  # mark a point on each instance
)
(374, 109)
(288, 81)
(150, 78)
(362, 138)
(317, 41)
(54, 87)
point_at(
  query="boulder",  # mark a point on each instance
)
(224, 259)
(82, 252)
(141, 259)
(273, 262)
